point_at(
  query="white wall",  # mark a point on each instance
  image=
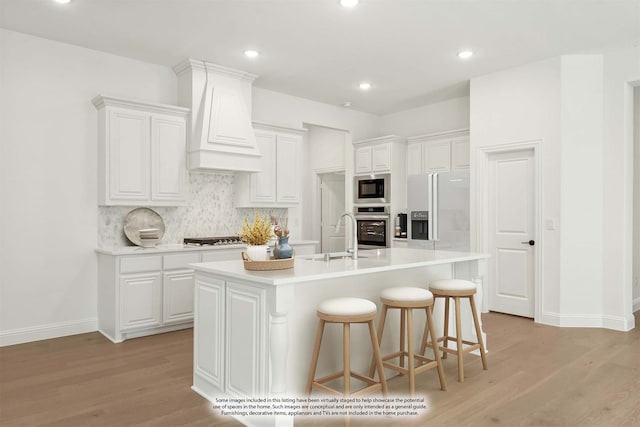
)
(581, 184)
(48, 177)
(432, 118)
(620, 69)
(636, 198)
(576, 107)
(286, 110)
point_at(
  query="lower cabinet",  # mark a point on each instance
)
(177, 292)
(234, 361)
(145, 294)
(141, 295)
(209, 331)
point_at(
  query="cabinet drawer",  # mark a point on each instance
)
(140, 263)
(175, 261)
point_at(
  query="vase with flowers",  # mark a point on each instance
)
(283, 249)
(256, 235)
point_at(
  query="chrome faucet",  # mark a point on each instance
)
(354, 236)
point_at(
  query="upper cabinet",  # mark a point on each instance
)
(221, 134)
(440, 152)
(373, 159)
(378, 155)
(278, 183)
(141, 153)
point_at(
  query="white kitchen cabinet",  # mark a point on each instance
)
(414, 158)
(362, 159)
(140, 299)
(177, 291)
(142, 153)
(245, 347)
(145, 294)
(208, 330)
(460, 153)
(441, 152)
(437, 156)
(235, 361)
(376, 158)
(278, 184)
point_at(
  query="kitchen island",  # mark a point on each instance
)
(254, 330)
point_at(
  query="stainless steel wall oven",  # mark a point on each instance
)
(374, 227)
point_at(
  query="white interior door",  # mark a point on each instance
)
(332, 205)
(511, 192)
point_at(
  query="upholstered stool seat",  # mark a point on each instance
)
(456, 289)
(346, 311)
(406, 299)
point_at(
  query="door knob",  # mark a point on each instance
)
(530, 242)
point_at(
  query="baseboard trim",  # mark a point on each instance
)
(636, 305)
(44, 332)
(588, 321)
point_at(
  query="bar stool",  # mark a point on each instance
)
(346, 311)
(406, 299)
(456, 289)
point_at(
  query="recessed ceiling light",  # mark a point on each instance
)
(349, 3)
(365, 85)
(62, 1)
(465, 54)
(251, 53)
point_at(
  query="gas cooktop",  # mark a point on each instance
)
(212, 241)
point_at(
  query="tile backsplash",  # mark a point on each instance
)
(209, 212)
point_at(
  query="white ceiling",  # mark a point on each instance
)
(318, 50)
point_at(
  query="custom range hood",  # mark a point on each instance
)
(221, 134)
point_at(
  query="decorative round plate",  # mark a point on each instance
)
(140, 219)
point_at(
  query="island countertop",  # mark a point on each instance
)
(312, 267)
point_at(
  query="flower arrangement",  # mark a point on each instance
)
(257, 233)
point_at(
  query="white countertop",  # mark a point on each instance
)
(179, 247)
(306, 269)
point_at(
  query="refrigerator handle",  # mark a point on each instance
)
(433, 210)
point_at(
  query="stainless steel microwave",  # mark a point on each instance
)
(372, 189)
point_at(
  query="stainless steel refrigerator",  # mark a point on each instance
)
(438, 211)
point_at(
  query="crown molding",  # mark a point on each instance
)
(196, 64)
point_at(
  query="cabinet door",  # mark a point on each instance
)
(263, 184)
(177, 292)
(288, 169)
(129, 161)
(381, 158)
(460, 154)
(140, 300)
(363, 160)
(437, 156)
(208, 330)
(414, 159)
(246, 326)
(168, 166)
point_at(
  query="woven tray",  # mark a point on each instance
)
(272, 264)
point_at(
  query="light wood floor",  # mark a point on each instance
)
(538, 375)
